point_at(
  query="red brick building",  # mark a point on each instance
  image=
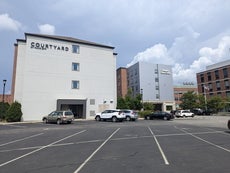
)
(180, 90)
(7, 98)
(122, 86)
(215, 80)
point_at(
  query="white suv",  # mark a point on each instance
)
(130, 115)
(184, 113)
(111, 114)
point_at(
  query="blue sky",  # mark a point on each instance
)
(189, 35)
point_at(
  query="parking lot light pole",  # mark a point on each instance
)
(3, 94)
(142, 99)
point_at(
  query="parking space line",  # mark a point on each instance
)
(27, 154)
(21, 139)
(159, 147)
(201, 139)
(87, 160)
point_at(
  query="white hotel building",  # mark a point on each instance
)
(59, 73)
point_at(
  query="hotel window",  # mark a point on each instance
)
(156, 71)
(217, 74)
(75, 66)
(219, 94)
(157, 96)
(75, 48)
(226, 83)
(228, 93)
(75, 84)
(202, 77)
(157, 87)
(156, 79)
(218, 85)
(209, 76)
(225, 71)
(210, 87)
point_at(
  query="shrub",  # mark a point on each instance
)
(143, 113)
(3, 108)
(14, 113)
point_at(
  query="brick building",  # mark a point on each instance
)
(215, 80)
(180, 90)
(122, 85)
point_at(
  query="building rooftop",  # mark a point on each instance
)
(218, 65)
(68, 39)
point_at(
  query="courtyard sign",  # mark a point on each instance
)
(44, 46)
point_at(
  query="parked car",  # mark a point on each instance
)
(130, 115)
(159, 115)
(198, 111)
(228, 124)
(184, 113)
(112, 114)
(59, 117)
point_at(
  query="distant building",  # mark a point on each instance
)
(58, 73)
(180, 90)
(154, 82)
(215, 80)
(7, 98)
(122, 85)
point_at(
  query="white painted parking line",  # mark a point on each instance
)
(225, 149)
(159, 147)
(20, 139)
(87, 160)
(17, 158)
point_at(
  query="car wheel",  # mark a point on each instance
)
(45, 121)
(148, 118)
(58, 121)
(165, 118)
(128, 118)
(98, 118)
(114, 119)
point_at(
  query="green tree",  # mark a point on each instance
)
(189, 100)
(121, 104)
(130, 102)
(3, 108)
(14, 113)
(200, 102)
(215, 104)
(148, 106)
(137, 102)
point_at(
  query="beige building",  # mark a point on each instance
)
(58, 73)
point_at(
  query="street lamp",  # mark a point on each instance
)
(3, 95)
(142, 98)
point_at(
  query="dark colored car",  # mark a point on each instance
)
(159, 115)
(198, 111)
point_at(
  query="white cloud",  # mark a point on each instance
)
(8, 23)
(182, 52)
(154, 54)
(47, 29)
(207, 56)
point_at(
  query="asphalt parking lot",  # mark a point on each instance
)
(199, 144)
